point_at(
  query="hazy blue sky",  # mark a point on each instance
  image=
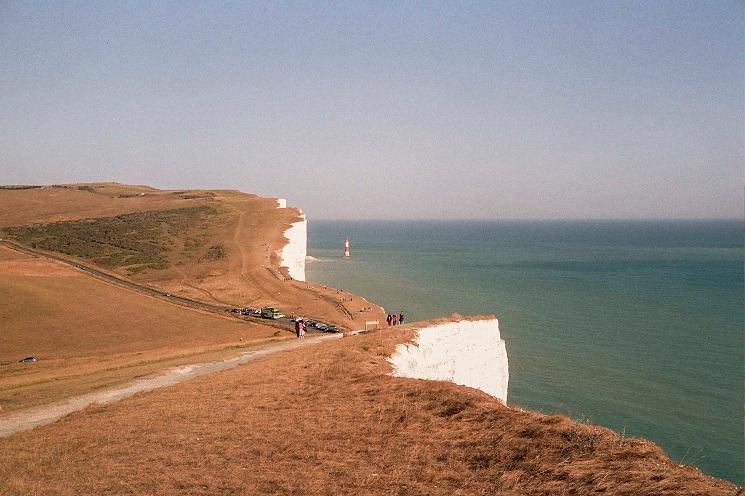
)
(386, 109)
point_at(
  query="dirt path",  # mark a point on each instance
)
(237, 239)
(22, 420)
(342, 308)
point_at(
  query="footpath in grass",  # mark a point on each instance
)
(329, 420)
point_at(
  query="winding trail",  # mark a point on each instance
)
(237, 238)
(30, 418)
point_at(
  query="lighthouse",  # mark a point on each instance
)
(346, 247)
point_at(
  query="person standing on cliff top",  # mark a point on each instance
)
(401, 318)
(389, 319)
(394, 318)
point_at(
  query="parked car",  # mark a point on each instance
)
(28, 359)
(323, 327)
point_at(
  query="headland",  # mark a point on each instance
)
(413, 409)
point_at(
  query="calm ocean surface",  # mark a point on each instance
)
(637, 326)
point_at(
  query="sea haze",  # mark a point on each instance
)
(635, 325)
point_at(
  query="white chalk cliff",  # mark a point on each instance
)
(466, 352)
(294, 252)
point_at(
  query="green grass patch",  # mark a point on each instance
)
(137, 241)
(214, 252)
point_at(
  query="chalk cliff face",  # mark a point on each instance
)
(294, 252)
(467, 352)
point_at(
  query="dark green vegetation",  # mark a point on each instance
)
(137, 241)
(214, 252)
(18, 186)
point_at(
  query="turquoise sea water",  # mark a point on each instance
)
(637, 326)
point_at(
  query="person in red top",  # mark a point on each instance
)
(394, 318)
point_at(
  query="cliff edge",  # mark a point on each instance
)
(467, 352)
(292, 256)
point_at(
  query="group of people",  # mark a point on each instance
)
(300, 328)
(394, 319)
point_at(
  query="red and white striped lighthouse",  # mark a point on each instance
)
(346, 247)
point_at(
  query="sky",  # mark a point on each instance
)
(386, 110)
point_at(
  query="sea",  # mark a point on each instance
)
(633, 325)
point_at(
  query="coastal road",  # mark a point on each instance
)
(142, 289)
(29, 418)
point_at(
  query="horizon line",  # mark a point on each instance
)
(537, 219)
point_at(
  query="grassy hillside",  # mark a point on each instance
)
(136, 241)
(43, 204)
(87, 333)
(216, 246)
(328, 420)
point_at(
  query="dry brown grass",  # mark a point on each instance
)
(52, 204)
(248, 230)
(248, 274)
(66, 313)
(87, 333)
(325, 420)
(328, 420)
